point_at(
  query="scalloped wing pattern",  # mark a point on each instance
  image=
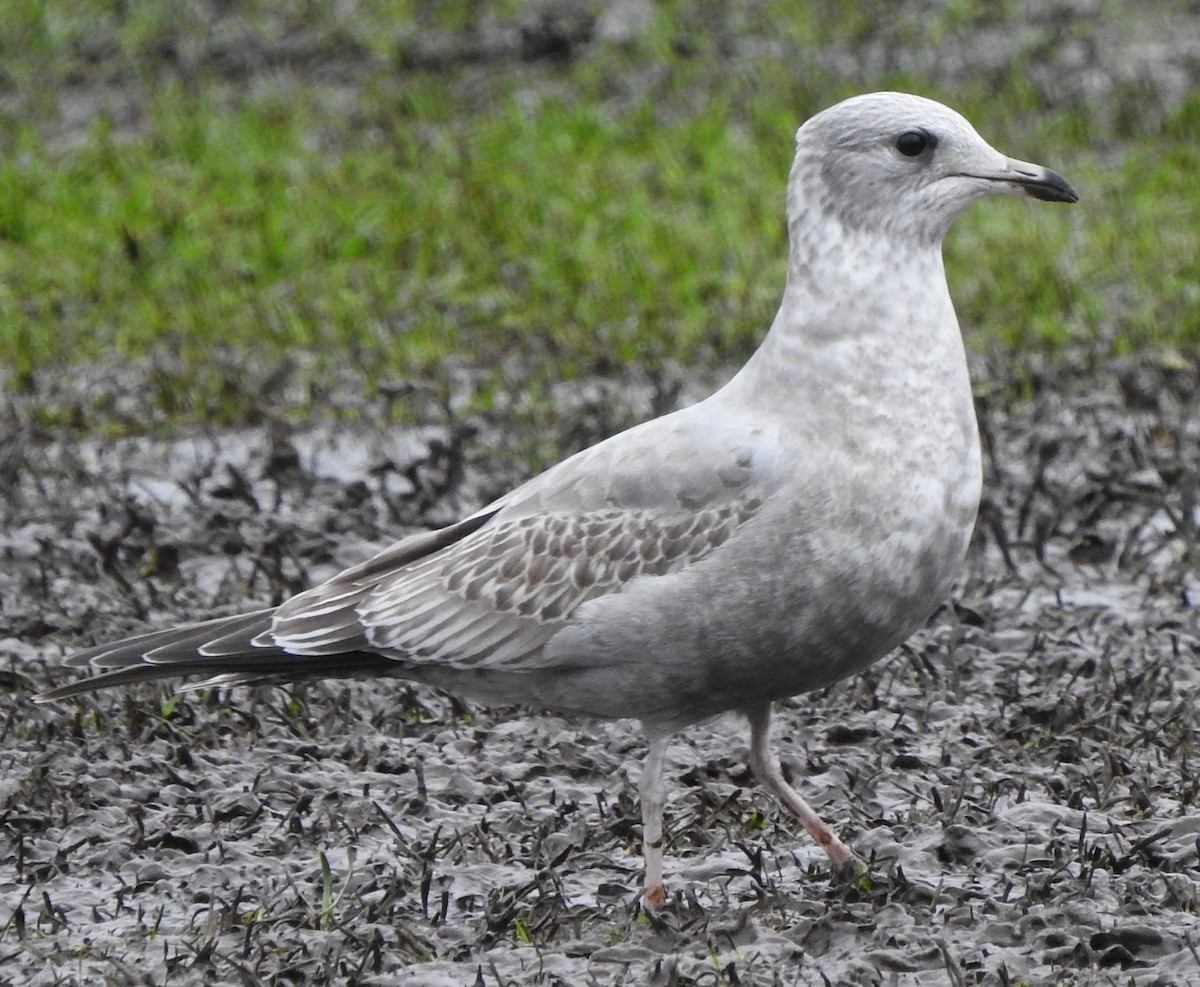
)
(495, 598)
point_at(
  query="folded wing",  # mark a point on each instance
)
(490, 591)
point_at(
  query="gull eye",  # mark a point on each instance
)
(912, 143)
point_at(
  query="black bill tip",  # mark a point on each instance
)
(1049, 186)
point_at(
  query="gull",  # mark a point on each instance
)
(782, 534)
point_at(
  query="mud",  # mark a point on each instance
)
(1019, 774)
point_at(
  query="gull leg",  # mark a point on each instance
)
(766, 770)
(653, 798)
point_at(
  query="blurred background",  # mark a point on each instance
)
(221, 211)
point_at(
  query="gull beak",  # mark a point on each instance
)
(1034, 181)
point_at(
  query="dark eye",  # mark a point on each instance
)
(912, 143)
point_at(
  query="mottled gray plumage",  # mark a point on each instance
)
(786, 532)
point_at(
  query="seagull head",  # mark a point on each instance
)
(901, 167)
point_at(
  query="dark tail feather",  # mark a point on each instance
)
(179, 651)
(269, 668)
(121, 676)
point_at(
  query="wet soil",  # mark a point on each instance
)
(1019, 773)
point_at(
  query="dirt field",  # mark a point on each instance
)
(1020, 774)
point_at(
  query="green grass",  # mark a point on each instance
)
(621, 208)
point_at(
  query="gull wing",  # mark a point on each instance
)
(490, 591)
(649, 502)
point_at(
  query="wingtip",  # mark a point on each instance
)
(61, 693)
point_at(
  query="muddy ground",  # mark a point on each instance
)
(1020, 774)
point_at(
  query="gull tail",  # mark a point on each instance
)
(223, 650)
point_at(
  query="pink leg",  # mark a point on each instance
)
(766, 770)
(653, 801)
